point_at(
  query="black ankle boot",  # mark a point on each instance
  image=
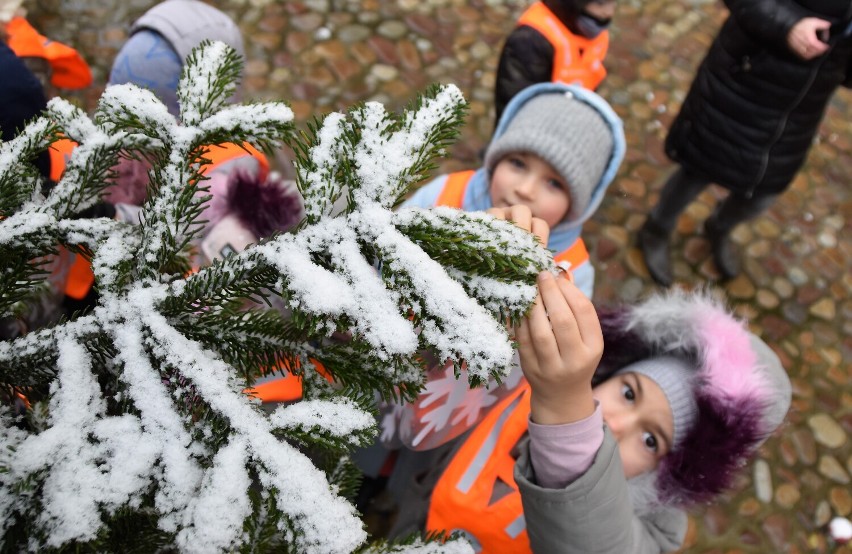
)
(725, 254)
(654, 243)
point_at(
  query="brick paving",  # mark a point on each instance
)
(324, 55)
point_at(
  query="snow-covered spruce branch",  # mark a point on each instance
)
(30, 360)
(85, 174)
(147, 421)
(21, 182)
(375, 168)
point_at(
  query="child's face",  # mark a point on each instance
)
(524, 178)
(600, 9)
(637, 412)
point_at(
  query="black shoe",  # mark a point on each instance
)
(725, 254)
(654, 243)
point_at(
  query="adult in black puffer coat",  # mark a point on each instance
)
(527, 56)
(750, 117)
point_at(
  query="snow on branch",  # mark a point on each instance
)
(18, 182)
(148, 423)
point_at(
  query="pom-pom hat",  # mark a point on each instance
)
(742, 392)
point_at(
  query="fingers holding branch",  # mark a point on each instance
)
(521, 216)
(560, 345)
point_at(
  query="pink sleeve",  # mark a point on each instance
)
(559, 454)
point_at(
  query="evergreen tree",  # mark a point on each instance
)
(138, 434)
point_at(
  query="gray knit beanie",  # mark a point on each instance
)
(568, 134)
(676, 378)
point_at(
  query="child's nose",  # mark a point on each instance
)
(526, 187)
(618, 423)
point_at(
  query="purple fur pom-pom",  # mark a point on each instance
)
(723, 438)
(263, 207)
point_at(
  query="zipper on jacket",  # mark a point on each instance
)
(782, 124)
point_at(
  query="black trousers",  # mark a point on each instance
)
(683, 187)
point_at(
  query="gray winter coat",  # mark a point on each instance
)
(185, 23)
(594, 514)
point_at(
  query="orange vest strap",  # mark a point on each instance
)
(574, 256)
(59, 153)
(576, 59)
(452, 194)
(462, 499)
(287, 388)
(221, 153)
(80, 278)
(68, 68)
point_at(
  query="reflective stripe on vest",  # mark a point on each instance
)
(576, 59)
(462, 497)
(452, 196)
(68, 68)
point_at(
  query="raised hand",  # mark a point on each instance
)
(560, 345)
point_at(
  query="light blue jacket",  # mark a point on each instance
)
(565, 233)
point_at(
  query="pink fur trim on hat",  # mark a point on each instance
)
(741, 389)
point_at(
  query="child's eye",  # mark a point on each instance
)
(517, 162)
(557, 184)
(650, 441)
(627, 392)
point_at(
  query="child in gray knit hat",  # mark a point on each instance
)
(555, 150)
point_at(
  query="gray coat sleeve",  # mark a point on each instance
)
(594, 514)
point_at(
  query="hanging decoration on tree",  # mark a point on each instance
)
(138, 431)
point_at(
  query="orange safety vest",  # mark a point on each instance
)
(68, 68)
(452, 196)
(287, 388)
(222, 153)
(461, 500)
(80, 276)
(60, 152)
(576, 59)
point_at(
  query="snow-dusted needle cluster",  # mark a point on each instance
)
(138, 407)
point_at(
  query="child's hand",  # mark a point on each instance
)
(560, 347)
(521, 216)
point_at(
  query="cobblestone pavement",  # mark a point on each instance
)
(323, 55)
